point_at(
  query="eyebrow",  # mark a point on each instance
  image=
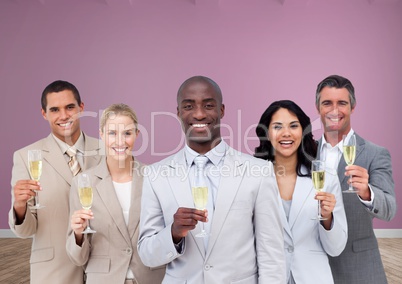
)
(57, 107)
(193, 101)
(342, 101)
(292, 122)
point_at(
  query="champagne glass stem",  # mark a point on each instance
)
(36, 199)
(350, 183)
(319, 210)
(202, 228)
(88, 227)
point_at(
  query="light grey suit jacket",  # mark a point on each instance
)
(246, 241)
(360, 262)
(307, 242)
(107, 254)
(48, 226)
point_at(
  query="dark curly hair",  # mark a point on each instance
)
(306, 152)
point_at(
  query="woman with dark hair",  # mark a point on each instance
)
(284, 132)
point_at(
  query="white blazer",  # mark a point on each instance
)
(307, 242)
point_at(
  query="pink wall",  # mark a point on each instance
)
(140, 51)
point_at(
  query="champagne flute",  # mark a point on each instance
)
(200, 197)
(86, 196)
(35, 170)
(349, 154)
(318, 177)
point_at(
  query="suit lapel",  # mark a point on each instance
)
(91, 153)
(135, 205)
(181, 189)
(303, 189)
(228, 187)
(108, 195)
(53, 155)
(341, 170)
(178, 180)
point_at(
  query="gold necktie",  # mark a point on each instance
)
(73, 163)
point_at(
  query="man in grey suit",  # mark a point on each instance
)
(61, 107)
(244, 242)
(371, 173)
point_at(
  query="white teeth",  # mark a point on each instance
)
(334, 119)
(65, 124)
(286, 142)
(119, 150)
(199, 125)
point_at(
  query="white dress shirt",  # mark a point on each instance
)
(332, 156)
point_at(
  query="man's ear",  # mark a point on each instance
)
(222, 110)
(43, 113)
(81, 107)
(353, 109)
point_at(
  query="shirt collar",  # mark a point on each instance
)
(324, 142)
(215, 155)
(79, 144)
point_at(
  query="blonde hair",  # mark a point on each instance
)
(117, 109)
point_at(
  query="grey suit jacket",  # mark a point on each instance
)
(246, 241)
(48, 226)
(107, 254)
(360, 262)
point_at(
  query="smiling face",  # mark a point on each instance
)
(119, 135)
(285, 133)
(62, 113)
(200, 110)
(335, 110)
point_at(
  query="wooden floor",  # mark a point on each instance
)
(14, 260)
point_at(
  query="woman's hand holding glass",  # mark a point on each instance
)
(327, 204)
(80, 218)
(79, 223)
(318, 178)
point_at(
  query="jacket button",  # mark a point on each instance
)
(207, 267)
(128, 251)
(291, 249)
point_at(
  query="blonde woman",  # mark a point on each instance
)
(110, 255)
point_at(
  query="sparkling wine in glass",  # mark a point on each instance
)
(318, 177)
(86, 196)
(35, 170)
(200, 197)
(349, 154)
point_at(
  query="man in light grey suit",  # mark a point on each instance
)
(245, 235)
(61, 107)
(371, 173)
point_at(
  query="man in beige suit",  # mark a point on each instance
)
(244, 242)
(61, 107)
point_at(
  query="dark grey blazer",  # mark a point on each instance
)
(360, 262)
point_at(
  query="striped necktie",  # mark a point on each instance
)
(73, 162)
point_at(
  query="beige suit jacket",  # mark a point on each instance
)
(48, 226)
(107, 254)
